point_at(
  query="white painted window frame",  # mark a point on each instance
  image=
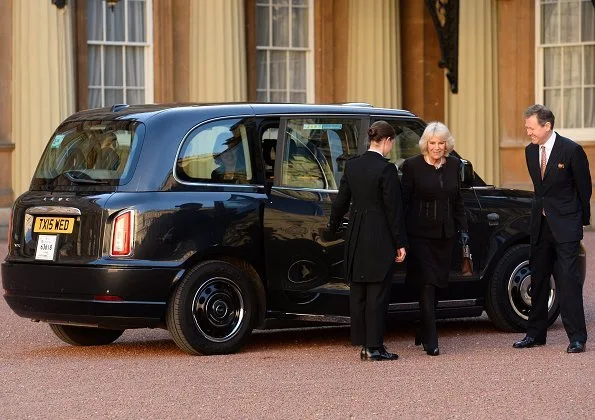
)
(310, 76)
(577, 134)
(148, 46)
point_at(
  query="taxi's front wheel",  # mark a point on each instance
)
(508, 300)
(213, 309)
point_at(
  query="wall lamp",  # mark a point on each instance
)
(111, 3)
(59, 3)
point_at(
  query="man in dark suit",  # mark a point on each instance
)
(561, 179)
(375, 238)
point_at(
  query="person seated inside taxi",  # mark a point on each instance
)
(108, 157)
(228, 155)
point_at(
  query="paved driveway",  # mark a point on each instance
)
(299, 373)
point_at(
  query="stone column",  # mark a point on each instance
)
(217, 62)
(6, 144)
(422, 79)
(516, 87)
(163, 52)
(43, 81)
(472, 113)
(374, 63)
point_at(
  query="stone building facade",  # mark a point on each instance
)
(60, 56)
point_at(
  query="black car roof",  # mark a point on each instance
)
(144, 112)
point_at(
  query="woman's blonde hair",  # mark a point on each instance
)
(436, 129)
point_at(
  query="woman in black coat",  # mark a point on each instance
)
(375, 238)
(435, 217)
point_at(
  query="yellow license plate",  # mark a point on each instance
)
(53, 225)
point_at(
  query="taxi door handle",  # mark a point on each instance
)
(493, 219)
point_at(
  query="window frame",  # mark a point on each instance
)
(254, 48)
(398, 123)
(249, 150)
(578, 134)
(360, 120)
(83, 44)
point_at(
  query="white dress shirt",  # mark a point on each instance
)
(549, 145)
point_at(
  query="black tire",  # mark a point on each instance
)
(508, 296)
(85, 336)
(213, 309)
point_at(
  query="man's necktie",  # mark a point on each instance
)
(543, 163)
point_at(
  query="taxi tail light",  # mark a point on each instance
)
(122, 234)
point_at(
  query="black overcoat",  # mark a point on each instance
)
(434, 213)
(432, 198)
(371, 185)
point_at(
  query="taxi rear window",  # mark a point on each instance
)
(89, 153)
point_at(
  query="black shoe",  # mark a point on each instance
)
(419, 341)
(528, 342)
(386, 355)
(433, 352)
(376, 354)
(576, 347)
(368, 354)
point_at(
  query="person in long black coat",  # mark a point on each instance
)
(559, 169)
(435, 217)
(375, 238)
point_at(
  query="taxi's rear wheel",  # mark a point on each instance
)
(85, 336)
(213, 309)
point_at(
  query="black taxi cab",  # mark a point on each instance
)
(208, 220)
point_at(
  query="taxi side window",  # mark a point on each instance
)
(407, 140)
(217, 152)
(315, 150)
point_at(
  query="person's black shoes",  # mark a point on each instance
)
(573, 347)
(368, 354)
(528, 342)
(386, 355)
(576, 347)
(419, 341)
(433, 352)
(376, 354)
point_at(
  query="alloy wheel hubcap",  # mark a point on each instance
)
(519, 290)
(218, 309)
